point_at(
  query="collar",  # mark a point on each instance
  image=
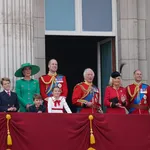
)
(88, 83)
(116, 88)
(52, 74)
(137, 83)
(7, 91)
(54, 99)
(27, 80)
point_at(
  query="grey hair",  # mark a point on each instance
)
(86, 70)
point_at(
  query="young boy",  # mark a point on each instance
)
(57, 103)
(8, 99)
(37, 107)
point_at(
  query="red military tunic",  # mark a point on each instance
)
(81, 95)
(47, 82)
(133, 94)
(111, 93)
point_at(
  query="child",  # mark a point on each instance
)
(8, 99)
(37, 107)
(57, 103)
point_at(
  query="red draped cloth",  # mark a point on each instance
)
(33, 131)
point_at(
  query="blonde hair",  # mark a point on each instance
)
(111, 81)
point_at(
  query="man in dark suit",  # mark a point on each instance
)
(8, 99)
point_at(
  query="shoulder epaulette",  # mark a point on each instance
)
(45, 81)
(77, 85)
(80, 83)
(44, 75)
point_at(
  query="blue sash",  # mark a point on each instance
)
(89, 97)
(138, 98)
(54, 84)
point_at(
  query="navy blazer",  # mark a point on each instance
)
(7, 101)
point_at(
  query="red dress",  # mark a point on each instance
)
(47, 82)
(111, 93)
(139, 98)
(85, 92)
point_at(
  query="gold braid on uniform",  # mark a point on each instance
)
(86, 92)
(52, 80)
(81, 100)
(136, 90)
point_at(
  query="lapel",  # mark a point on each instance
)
(34, 108)
(6, 95)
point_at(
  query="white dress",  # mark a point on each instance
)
(57, 105)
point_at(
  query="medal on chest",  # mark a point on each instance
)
(145, 99)
(123, 98)
(143, 91)
(59, 85)
(59, 82)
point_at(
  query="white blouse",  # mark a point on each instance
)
(57, 105)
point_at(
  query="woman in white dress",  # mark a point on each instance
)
(57, 103)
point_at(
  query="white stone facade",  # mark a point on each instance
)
(134, 37)
(39, 36)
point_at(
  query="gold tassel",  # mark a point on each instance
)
(91, 148)
(92, 138)
(9, 139)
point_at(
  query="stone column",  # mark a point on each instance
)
(131, 38)
(142, 62)
(17, 34)
(147, 5)
(39, 36)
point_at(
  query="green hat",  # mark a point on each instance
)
(34, 69)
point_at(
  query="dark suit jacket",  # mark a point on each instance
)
(7, 101)
(34, 109)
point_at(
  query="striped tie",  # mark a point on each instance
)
(8, 93)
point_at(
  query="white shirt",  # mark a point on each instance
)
(8, 92)
(57, 105)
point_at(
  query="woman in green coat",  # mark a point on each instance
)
(26, 87)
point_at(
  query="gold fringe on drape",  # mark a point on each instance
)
(9, 139)
(92, 138)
